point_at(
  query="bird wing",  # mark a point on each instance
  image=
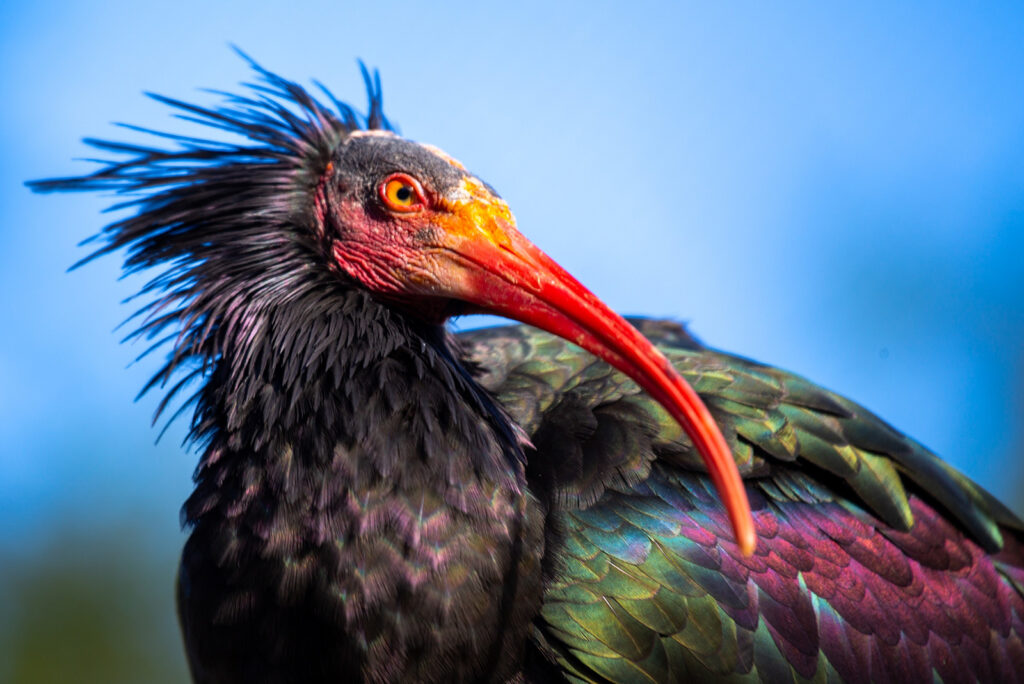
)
(874, 557)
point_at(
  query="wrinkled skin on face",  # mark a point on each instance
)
(408, 253)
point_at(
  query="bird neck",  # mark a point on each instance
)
(344, 388)
(358, 485)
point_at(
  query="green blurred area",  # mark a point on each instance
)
(90, 607)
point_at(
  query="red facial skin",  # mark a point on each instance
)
(464, 247)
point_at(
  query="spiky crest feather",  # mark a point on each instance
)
(227, 221)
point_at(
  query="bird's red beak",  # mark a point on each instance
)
(479, 257)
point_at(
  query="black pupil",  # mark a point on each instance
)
(404, 193)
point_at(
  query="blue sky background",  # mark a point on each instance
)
(836, 191)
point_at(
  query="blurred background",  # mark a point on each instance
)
(837, 192)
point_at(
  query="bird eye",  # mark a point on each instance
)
(401, 192)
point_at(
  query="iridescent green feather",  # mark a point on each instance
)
(646, 586)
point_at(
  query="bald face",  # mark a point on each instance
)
(398, 214)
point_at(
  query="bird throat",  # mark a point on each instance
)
(358, 496)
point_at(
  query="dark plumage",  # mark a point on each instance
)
(377, 500)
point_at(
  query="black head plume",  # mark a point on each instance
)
(231, 225)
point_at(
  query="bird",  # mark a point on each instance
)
(573, 498)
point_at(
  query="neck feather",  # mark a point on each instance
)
(343, 390)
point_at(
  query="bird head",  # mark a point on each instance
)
(316, 192)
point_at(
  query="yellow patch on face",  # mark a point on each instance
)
(474, 212)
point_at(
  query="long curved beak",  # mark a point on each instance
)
(493, 267)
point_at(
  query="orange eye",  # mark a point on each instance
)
(401, 192)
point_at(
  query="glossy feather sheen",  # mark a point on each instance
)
(378, 502)
(861, 570)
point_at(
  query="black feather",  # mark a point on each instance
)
(357, 487)
(232, 224)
